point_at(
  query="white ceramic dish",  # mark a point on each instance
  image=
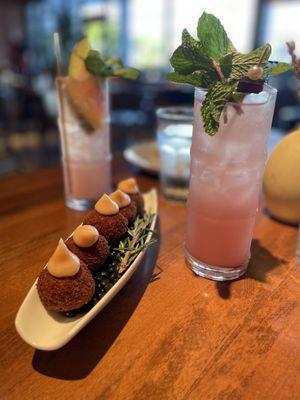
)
(144, 155)
(46, 330)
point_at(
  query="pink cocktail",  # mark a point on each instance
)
(86, 156)
(225, 183)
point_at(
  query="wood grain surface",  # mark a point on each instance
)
(167, 334)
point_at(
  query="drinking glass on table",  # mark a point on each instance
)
(225, 183)
(174, 136)
(85, 142)
(84, 120)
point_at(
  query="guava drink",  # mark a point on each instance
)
(228, 156)
(226, 176)
(86, 153)
(87, 180)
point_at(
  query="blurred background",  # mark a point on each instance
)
(144, 33)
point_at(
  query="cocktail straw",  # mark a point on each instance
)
(57, 53)
(60, 93)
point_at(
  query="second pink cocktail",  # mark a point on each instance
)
(226, 174)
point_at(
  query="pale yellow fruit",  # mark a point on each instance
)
(282, 179)
(84, 89)
(77, 69)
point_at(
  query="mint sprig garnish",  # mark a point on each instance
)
(107, 67)
(213, 63)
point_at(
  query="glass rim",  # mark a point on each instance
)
(270, 90)
(175, 113)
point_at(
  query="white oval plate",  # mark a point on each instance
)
(47, 330)
(144, 155)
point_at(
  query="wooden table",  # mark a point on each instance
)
(168, 334)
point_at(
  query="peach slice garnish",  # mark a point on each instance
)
(85, 89)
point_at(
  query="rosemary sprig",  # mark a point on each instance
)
(295, 60)
(134, 243)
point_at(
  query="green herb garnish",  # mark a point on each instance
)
(214, 64)
(107, 67)
(134, 243)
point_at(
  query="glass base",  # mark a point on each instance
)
(177, 198)
(176, 189)
(213, 272)
(80, 204)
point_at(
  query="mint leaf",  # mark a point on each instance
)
(117, 62)
(94, 63)
(181, 63)
(241, 63)
(279, 68)
(108, 66)
(125, 72)
(189, 56)
(194, 50)
(212, 36)
(226, 64)
(196, 78)
(215, 100)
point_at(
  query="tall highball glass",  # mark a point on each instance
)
(85, 142)
(225, 184)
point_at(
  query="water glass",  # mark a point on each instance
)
(174, 136)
